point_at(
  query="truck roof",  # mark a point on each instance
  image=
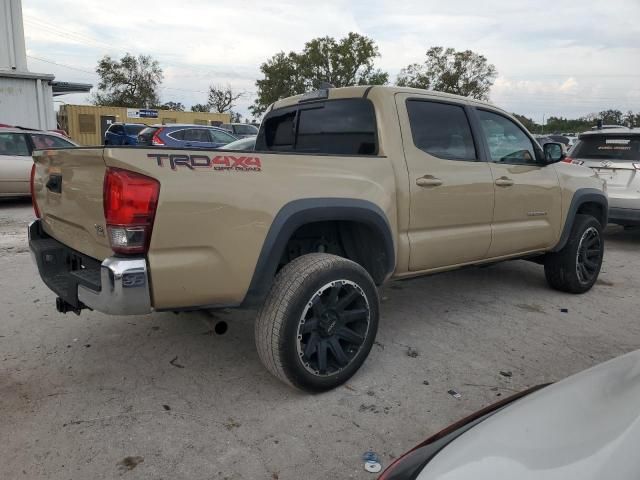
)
(360, 91)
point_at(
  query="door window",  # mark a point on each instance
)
(441, 130)
(13, 144)
(41, 141)
(506, 141)
(196, 135)
(221, 137)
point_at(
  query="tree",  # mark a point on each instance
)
(222, 99)
(199, 107)
(527, 122)
(342, 63)
(175, 106)
(235, 117)
(464, 73)
(129, 82)
(611, 117)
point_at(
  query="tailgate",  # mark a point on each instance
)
(68, 187)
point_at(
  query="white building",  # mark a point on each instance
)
(26, 98)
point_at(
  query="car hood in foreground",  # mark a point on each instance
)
(585, 427)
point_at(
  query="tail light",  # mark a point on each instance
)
(34, 202)
(130, 201)
(567, 160)
(156, 140)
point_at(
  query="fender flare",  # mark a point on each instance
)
(580, 197)
(297, 213)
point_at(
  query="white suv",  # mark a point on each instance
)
(614, 155)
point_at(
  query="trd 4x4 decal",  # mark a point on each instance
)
(219, 162)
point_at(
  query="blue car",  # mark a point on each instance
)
(189, 136)
(123, 133)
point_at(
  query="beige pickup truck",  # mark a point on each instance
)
(347, 188)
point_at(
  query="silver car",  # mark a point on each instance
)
(16, 146)
(614, 155)
(584, 427)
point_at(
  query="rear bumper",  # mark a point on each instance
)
(624, 216)
(117, 286)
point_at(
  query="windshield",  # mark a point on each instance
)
(624, 148)
(245, 130)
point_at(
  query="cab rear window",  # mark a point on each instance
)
(333, 127)
(608, 148)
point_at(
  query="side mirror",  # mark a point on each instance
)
(553, 152)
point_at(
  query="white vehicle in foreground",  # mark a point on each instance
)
(585, 427)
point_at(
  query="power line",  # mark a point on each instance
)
(61, 65)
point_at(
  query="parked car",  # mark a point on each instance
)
(543, 139)
(123, 133)
(308, 225)
(240, 130)
(185, 135)
(614, 155)
(16, 147)
(559, 138)
(584, 427)
(248, 143)
(572, 141)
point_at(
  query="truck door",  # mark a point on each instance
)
(451, 188)
(527, 214)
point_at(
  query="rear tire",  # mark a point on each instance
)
(575, 268)
(318, 323)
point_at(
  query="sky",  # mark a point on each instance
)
(553, 58)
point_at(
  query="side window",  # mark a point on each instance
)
(196, 135)
(441, 130)
(507, 142)
(177, 135)
(339, 127)
(13, 144)
(221, 137)
(278, 132)
(41, 141)
(116, 129)
(332, 127)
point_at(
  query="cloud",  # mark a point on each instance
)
(549, 54)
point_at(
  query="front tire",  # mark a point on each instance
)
(575, 268)
(318, 323)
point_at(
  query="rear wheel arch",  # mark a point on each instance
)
(353, 220)
(585, 201)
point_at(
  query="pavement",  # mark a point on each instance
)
(164, 397)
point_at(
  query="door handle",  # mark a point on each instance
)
(504, 182)
(428, 181)
(54, 184)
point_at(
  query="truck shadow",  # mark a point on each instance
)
(14, 202)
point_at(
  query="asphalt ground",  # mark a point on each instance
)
(164, 397)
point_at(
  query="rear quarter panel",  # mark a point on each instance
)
(210, 224)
